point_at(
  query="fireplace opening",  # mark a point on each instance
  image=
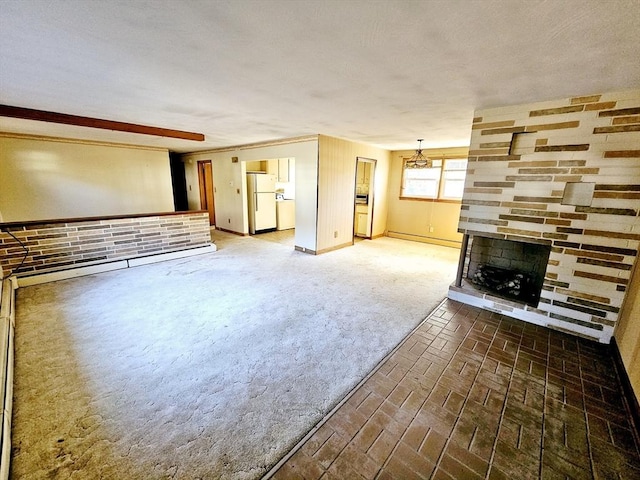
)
(508, 269)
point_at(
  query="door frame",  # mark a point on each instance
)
(371, 198)
(207, 198)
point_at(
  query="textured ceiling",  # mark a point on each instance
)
(378, 72)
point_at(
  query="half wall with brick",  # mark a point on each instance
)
(62, 244)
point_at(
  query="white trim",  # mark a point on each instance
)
(39, 278)
(70, 273)
(135, 262)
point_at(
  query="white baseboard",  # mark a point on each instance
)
(161, 257)
(70, 273)
(46, 277)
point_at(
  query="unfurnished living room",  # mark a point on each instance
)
(296, 239)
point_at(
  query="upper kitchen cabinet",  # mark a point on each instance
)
(363, 173)
(363, 177)
(285, 170)
(282, 168)
(271, 167)
(255, 166)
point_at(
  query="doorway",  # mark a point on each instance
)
(278, 179)
(205, 180)
(363, 209)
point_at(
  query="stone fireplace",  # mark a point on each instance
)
(551, 205)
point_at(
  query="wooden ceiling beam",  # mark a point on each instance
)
(53, 117)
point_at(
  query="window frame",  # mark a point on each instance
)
(439, 197)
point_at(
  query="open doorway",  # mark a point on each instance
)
(273, 208)
(364, 198)
(205, 181)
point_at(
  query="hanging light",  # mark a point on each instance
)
(418, 160)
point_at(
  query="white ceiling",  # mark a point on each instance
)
(243, 71)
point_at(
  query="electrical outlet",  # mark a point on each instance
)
(430, 229)
(335, 234)
(229, 220)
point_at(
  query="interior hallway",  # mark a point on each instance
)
(472, 394)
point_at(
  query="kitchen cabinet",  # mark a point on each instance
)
(361, 224)
(285, 214)
(255, 166)
(283, 170)
(361, 221)
(363, 173)
(271, 167)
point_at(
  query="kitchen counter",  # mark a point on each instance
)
(285, 214)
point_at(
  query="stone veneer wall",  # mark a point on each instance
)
(521, 158)
(61, 244)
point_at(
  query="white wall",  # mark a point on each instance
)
(44, 178)
(229, 180)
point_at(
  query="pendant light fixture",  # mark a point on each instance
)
(418, 160)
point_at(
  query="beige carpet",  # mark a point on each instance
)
(207, 367)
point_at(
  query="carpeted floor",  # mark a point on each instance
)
(207, 367)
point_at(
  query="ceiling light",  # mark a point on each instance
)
(418, 160)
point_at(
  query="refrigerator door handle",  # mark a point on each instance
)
(255, 195)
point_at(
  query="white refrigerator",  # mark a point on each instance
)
(261, 190)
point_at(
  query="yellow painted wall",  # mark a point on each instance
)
(45, 178)
(627, 333)
(411, 219)
(336, 189)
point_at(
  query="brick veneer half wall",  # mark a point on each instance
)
(62, 244)
(520, 160)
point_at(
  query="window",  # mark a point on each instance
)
(453, 178)
(444, 180)
(422, 182)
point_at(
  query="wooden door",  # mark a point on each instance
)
(205, 179)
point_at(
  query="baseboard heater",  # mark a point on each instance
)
(7, 327)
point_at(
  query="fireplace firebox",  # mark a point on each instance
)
(508, 269)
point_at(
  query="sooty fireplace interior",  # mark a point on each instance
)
(508, 269)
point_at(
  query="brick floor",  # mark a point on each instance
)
(475, 395)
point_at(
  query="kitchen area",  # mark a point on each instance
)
(363, 214)
(271, 195)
